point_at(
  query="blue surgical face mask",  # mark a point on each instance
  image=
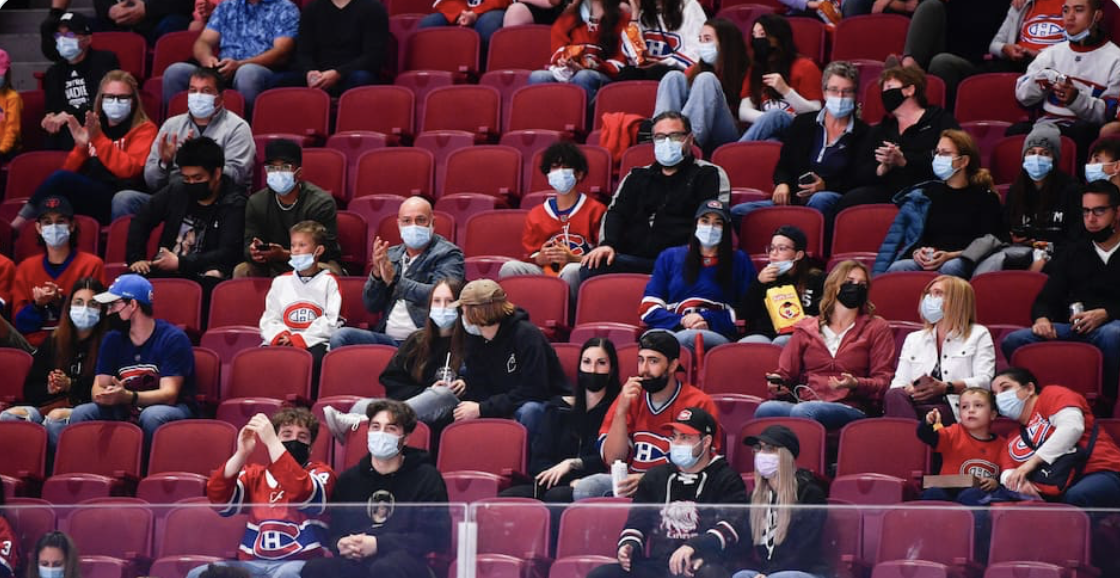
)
(84, 317)
(709, 52)
(383, 445)
(49, 572)
(443, 317)
(56, 235)
(1009, 404)
(471, 327)
(562, 180)
(709, 235)
(1037, 166)
(783, 266)
(281, 181)
(932, 308)
(943, 167)
(681, 455)
(201, 105)
(68, 48)
(668, 153)
(1079, 36)
(766, 464)
(302, 261)
(840, 106)
(1095, 172)
(116, 110)
(415, 236)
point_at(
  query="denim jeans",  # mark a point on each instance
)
(151, 417)
(824, 202)
(298, 79)
(257, 568)
(487, 24)
(88, 196)
(704, 103)
(831, 414)
(956, 267)
(771, 125)
(1105, 338)
(354, 336)
(589, 80)
(593, 486)
(687, 338)
(250, 80)
(1096, 490)
(128, 203)
(54, 426)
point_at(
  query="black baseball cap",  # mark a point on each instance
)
(662, 342)
(776, 435)
(75, 21)
(793, 234)
(694, 421)
(54, 204)
(714, 206)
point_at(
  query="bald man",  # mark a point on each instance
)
(402, 276)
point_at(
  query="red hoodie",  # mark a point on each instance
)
(451, 9)
(124, 158)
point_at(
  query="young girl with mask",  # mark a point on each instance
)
(788, 266)
(55, 556)
(424, 373)
(938, 222)
(836, 366)
(697, 289)
(782, 83)
(787, 541)
(111, 145)
(966, 447)
(709, 90)
(62, 373)
(11, 111)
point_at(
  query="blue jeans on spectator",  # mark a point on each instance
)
(128, 203)
(771, 125)
(687, 337)
(54, 426)
(1105, 338)
(298, 78)
(824, 202)
(779, 340)
(257, 568)
(354, 336)
(151, 417)
(487, 24)
(1095, 490)
(250, 80)
(88, 196)
(703, 103)
(530, 414)
(831, 414)
(956, 267)
(589, 80)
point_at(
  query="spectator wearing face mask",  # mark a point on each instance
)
(789, 269)
(669, 38)
(69, 85)
(290, 491)
(402, 277)
(55, 556)
(11, 111)
(782, 82)
(287, 200)
(586, 46)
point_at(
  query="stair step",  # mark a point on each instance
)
(26, 21)
(23, 74)
(22, 47)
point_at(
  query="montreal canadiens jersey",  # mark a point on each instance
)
(284, 503)
(963, 454)
(578, 229)
(649, 440)
(9, 549)
(305, 310)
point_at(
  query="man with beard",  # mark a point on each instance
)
(145, 367)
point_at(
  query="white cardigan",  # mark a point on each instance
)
(971, 360)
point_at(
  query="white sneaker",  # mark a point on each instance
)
(340, 424)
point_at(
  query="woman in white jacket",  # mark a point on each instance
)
(952, 352)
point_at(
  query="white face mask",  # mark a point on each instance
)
(415, 236)
(562, 180)
(116, 110)
(1009, 404)
(56, 235)
(201, 105)
(932, 308)
(281, 181)
(443, 317)
(766, 464)
(471, 327)
(668, 153)
(682, 455)
(383, 445)
(709, 52)
(51, 572)
(709, 235)
(84, 317)
(301, 262)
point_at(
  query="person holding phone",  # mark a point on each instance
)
(782, 82)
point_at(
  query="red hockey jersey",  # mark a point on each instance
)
(9, 550)
(649, 441)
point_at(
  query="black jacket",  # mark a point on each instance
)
(652, 212)
(797, 151)
(221, 247)
(518, 365)
(667, 528)
(801, 549)
(347, 40)
(154, 13)
(1057, 221)
(81, 387)
(397, 375)
(566, 432)
(57, 83)
(754, 304)
(417, 530)
(1076, 273)
(916, 143)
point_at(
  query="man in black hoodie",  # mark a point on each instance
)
(688, 535)
(384, 539)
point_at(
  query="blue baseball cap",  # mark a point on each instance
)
(127, 287)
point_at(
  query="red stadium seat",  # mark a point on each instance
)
(326, 168)
(516, 528)
(872, 98)
(494, 233)
(597, 183)
(352, 372)
(395, 106)
(238, 302)
(30, 518)
(180, 566)
(94, 459)
(568, 353)
(505, 442)
(989, 97)
(941, 533)
(375, 208)
(123, 532)
(171, 487)
(987, 134)
(405, 172)
(24, 445)
(735, 410)
(231, 101)
(1069, 545)
(34, 109)
(739, 368)
(743, 14)
(485, 267)
(559, 107)
(758, 227)
(451, 49)
(179, 303)
(471, 108)
(859, 453)
(869, 490)
(1007, 158)
(353, 308)
(612, 299)
(469, 487)
(195, 446)
(871, 36)
(238, 412)
(16, 364)
(353, 233)
(859, 231)
(173, 47)
(809, 37)
(421, 82)
(493, 170)
(1069, 363)
(441, 143)
(630, 96)
(528, 143)
(526, 47)
(28, 170)
(506, 82)
(131, 50)
(841, 540)
(28, 242)
(911, 569)
(180, 536)
(273, 108)
(353, 145)
(1006, 297)
(811, 434)
(283, 373)
(116, 246)
(545, 298)
(591, 527)
(749, 165)
(896, 295)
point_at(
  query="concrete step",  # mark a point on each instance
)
(26, 21)
(22, 47)
(23, 73)
(24, 4)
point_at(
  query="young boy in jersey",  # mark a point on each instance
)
(288, 495)
(302, 307)
(966, 447)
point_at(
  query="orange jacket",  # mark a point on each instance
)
(124, 158)
(451, 9)
(11, 110)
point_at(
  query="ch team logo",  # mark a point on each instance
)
(650, 450)
(1037, 431)
(979, 468)
(660, 44)
(276, 540)
(301, 314)
(1045, 29)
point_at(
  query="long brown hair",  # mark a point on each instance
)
(417, 357)
(966, 147)
(139, 117)
(785, 486)
(70, 569)
(832, 283)
(65, 336)
(732, 63)
(608, 41)
(780, 60)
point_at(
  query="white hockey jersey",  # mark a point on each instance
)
(304, 309)
(1093, 70)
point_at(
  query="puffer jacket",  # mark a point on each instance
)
(907, 228)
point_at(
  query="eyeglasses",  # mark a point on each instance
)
(285, 168)
(1096, 211)
(833, 91)
(118, 98)
(673, 136)
(779, 248)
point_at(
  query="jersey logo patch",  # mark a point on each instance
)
(650, 450)
(301, 314)
(1038, 431)
(276, 540)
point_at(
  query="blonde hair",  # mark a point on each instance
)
(832, 283)
(959, 305)
(785, 486)
(139, 117)
(966, 147)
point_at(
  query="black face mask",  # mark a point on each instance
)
(593, 382)
(655, 384)
(300, 451)
(761, 48)
(118, 324)
(1102, 235)
(197, 191)
(852, 295)
(892, 99)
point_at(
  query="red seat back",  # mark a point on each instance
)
(739, 368)
(495, 233)
(276, 372)
(629, 96)
(181, 537)
(526, 47)
(326, 169)
(896, 295)
(1069, 363)
(809, 38)
(749, 165)
(353, 232)
(355, 370)
(989, 97)
(173, 47)
(1068, 528)
(591, 527)
(871, 36)
(743, 14)
(860, 449)
(561, 107)
(505, 442)
(131, 50)
(16, 364)
(119, 531)
(395, 108)
(941, 533)
(861, 229)
(207, 373)
(405, 172)
(197, 446)
(1006, 297)
(611, 298)
(471, 108)
(28, 170)
(238, 302)
(273, 108)
(544, 298)
(99, 447)
(34, 109)
(24, 444)
(517, 527)
(179, 302)
(449, 48)
(758, 228)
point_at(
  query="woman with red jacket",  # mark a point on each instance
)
(586, 46)
(109, 152)
(837, 365)
(485, 16)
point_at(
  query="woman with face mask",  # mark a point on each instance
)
(787, 541)
(566, 448)
(62, 373)
(949, 354)
(1057, 421)
(55, 556)
(586, 46)
(709, 90)
(111, 144)
(949, 225)
(424, 372)
(789, 266)
(837, 365)
(668, 32)
(697, 289)
(782, 83)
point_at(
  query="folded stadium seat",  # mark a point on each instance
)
(735, 410)
(530, 200)
(116, 244)
(611, 302)
(238, 302)
(743, 14)
(460, 208)
(26, 171)
(871, 101)
(1006, 297)
(451, 49)
(116, 535)
(27, 243)
(1073, 364)
(590, 527)
(861, 451)
(420, 83)
(24, 446)
(353, 145)
(180, 547)
(272, 116)
(180, 304)
(506, 82)
(493, 233)
(283, 373)
(237, 412)
(1007, 158)
(597, 183)
(471, 108)
(231, 101)
(484, 267)
(225, 342)
(30, 518)
(739, 368)
(558, 107)
(749, 164)
(870, 36)
(526, 47)
(350, 374)
(401, 27)
(809, 36)
(810, 433)
(374, 208)
(747, 195)
(529, 142)
(1067, 549)
(173, 47)
(759, 225)
(353, 309)
(569, 355)
(353, 233)
(326, 168)
(354, 449)
(629, 96)
(514, 529)
(842, 539)
(859, 232)
(16, 364)
(131, 50)
(183, 455)
(545, 298)
(504, 439)
(938, 532)
(628, 362)
(911, 569)
(989, 97)
(441, 143)
(401, 171)
(34, 109)
(986, 133)
(896, 295)
(870, 490)
(469, 487)
(445, 227)
(95, 459)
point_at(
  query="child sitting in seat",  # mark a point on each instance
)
(967, 447)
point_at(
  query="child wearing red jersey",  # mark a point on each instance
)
(967, 447)
(586, 46)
